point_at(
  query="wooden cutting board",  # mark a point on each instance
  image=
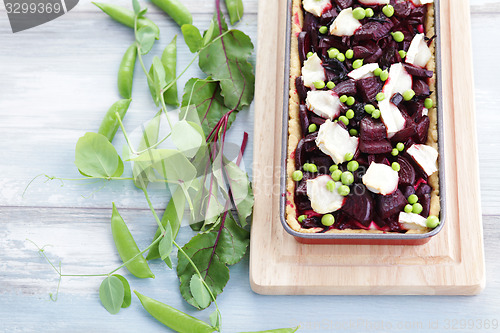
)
(452, 263)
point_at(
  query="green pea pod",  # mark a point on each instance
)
(279, 330)
(110, 124)
(169, 61)
(126, 17)
(235, 10)
(126, 72)
(173, 318)
(176, 10)
(127, 247)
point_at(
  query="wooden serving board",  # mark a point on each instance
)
(452, 263)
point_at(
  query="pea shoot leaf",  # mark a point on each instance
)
(136, 6)
(192, 37)
(215, 319)
(187, 138)
(127, 298)
(112, 293)
(146, 36)
(212, 252)
(199, 292)
(95, 156)
(226, 60)
(235, 10)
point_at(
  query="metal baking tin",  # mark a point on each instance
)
(368, 238)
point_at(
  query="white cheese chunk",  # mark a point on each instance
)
(421, 2)
(345, 24)
(418, 53)
(313, 71)
(381, 178)
(322, 200)
(335, 141)
(316, 7)
(363, 72)
(425, 112)
(391, 117)
(399, 81)
(425, 156)
(411, 221)
(374, 2)
(324, 103)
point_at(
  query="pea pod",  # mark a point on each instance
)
(169, 61)
(127, 248)
(110, 124)
(176, 10)
(173, 318)
(235, 10)
(126, 71)
(126, 17)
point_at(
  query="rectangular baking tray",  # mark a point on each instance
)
(369, 239)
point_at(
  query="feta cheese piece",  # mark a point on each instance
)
(399, 81)
(322, 200)
(374, 2)
(418, 53)
(316, 7)
(391, 117)
(411, 221)
(381, 178)
(335, 141)
(363, 72)
(425, 112)
(421, 2)
(345, 24)
(313, 71)
(324, 103)
(425, 156)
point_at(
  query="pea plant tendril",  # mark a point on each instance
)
(182, 147)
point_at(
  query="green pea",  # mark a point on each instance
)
(319, 84)
(349, 114)
(349, 156)
(353, 132)
(297, 175)
(336, 175)
(357, 63)
(344, 120)
(343, 99)
(384, 75)
(350, 101)
(369, 108)
(344, 190)
(432, 221)
(388, 10)
(408, 209)
(312, 128)
(376, 114)
(347, 178)
(313, 168)
(417, 208)
(400, 146)
(398, 36)
(309, 54)
(305, 167)
(323, 30)
(380, 96)
(377, 72)
(333, 168)
(331, 186)
(359, 13)
(349, 54)
(395, 152)
(413, 199)
(330, 85)
(369, 12)
(341, 57)
(402, 54)
(395, 166)
(333, 52)
(302, 218)
(352, 166)
(408, 95)
(328, 220)
(428, 103)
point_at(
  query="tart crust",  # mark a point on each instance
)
(295, 131)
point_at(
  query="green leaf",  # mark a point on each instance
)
(215, 319)
(199, 292)
(127, 298)
(146, 38)
(136, 6)
(165, 246)
(211, 257)
(209, 33)
(95, 156)
(169, 61)
(235, 10)
(187, 138)
(192, 37)
(226, 60)
(205, 96)
(144, 172)
(112, 293)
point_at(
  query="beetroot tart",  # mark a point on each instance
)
(362, 151)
